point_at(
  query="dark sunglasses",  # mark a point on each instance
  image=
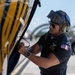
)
(53, 24)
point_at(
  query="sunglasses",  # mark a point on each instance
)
(53, 24)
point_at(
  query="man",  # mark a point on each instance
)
(54, 46)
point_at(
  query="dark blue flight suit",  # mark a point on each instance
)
(60, 47)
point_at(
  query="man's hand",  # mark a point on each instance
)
(21, 48)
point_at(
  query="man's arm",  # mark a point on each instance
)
(35, 49)
(52, 60)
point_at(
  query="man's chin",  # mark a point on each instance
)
(51, 32)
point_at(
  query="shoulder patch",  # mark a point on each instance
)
(64, 46)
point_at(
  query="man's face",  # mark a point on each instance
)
(54, 28)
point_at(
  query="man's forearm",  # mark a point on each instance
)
(30, 49)
(40, 61)
(44, 62)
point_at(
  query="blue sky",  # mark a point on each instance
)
(40, 16)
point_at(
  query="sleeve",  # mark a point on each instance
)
(63, 52)
(43, 38)
(40, 41)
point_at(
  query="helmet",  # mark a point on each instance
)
(59, 17)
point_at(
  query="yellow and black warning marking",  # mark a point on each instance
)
(10, 14)
(2, 3)
(15, 17)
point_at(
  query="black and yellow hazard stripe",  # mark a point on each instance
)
(24, 15)
(11, 12)
(2, 3)
(17, 23)
(7, 26)
(9, 21)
